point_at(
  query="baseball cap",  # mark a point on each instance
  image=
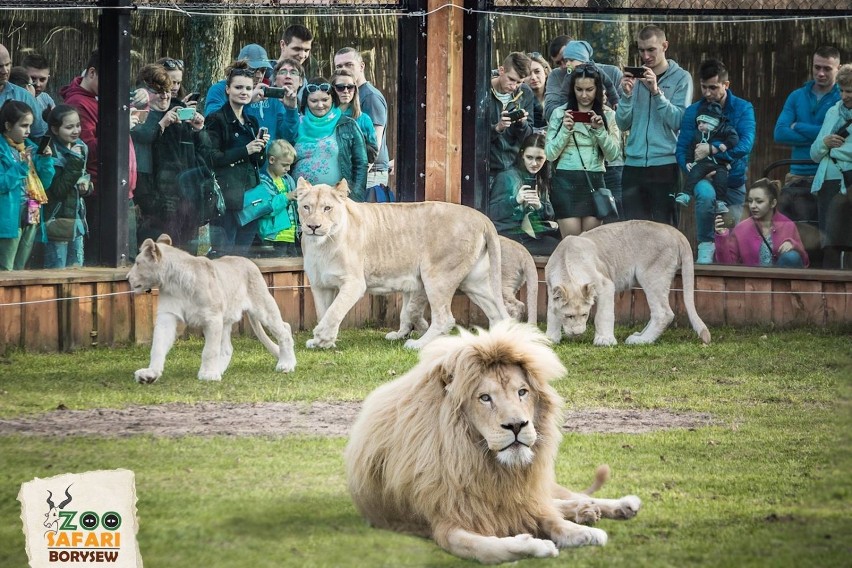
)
(255, 55)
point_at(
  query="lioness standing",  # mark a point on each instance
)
(351, 248)
(609, 259)
(211, 294)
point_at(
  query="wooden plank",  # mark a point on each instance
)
(623, 308)
(838, 306)
(681, 319)
(783, 311)
(809, 302)
(144, 310)
(640, 312)
(309, 309)
(758, 306)
(102, 315)
(41, 318)
(11, 316)
(285, 290)
(122, 305)
(735, 301)
(710, 300)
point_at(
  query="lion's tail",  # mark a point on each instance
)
(262, 336)
(531, 276)
(492, 244)
(687, 272)
(601, 477)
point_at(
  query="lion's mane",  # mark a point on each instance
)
(414, 460)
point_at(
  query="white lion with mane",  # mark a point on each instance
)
(462, 447)
(352, 248)
(212, 295)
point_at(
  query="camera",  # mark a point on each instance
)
(635, 71)
(275, 92)
(580, 116)
(516, 113)
(185, 113)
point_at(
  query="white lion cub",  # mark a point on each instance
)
(211, 294)
(609, 259)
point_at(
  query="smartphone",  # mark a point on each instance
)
(275, 92)
(635, 71)
(42, 143)
(185, 113)
(580, 116)
(192, 97)
(263, 131)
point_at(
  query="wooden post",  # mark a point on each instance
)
(411, 105)
(476, 125)
(444, 101)
(113, 135)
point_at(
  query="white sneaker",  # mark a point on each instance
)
(705, 253)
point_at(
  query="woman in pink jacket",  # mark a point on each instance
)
(766, 238)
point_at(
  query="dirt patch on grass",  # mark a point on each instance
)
(282, 419)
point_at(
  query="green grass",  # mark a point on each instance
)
(768, 484)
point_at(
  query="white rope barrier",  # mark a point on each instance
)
(302, 287)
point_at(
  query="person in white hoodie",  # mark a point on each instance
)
(651, 110)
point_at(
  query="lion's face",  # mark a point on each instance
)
(572, 303)
(321, 208)
(145, 272)
(502, 409)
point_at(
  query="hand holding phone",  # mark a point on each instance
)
(43, 143)
(262, 132)
(637, 72)
(581, 116)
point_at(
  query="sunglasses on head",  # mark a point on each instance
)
(172, 64)
(341, 88)
(242, 73)
(534, 55)
(585, 69)
(313, 87)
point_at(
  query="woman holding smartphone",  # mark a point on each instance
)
(237, 154)
(581, 136)
(520, 200)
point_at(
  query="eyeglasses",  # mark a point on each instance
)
(171, 64)
(291, 72)
(341, 88)
(313, 87)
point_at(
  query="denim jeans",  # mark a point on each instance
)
(705, 212)
(59, 254)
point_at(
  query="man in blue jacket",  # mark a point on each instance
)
(651, 110)
(715, 87)
(804, 111)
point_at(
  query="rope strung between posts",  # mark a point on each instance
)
(303, 286)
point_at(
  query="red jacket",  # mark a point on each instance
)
(741, 245)
(86, 103)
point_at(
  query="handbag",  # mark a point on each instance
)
(59, 228)
(257, 202)
(605, 206)
(198, 186)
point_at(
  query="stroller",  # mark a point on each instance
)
(800, 205)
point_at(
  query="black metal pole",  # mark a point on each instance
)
(410, 162)
(475, 91)
(110, 243)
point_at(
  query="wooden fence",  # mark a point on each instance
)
(50, 310)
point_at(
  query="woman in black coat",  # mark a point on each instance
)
(236, 155)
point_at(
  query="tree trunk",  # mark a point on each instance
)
(209, 43)
(610, 39)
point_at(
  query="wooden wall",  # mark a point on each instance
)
(52, 310)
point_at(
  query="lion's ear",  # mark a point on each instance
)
(342, 187)
(149, 249)
(559, 293)
(589, 291)
(164, 239)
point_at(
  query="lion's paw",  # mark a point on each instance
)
(414, 344)
(208, 375)
(630, 505)
(637, 339)
(316, 343)
(147, 376)
(554, 338)
(605, 340)
(528, 545)
(580, 536)
(395, 335)
(587, 514)
(285, 366)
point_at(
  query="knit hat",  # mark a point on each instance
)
(711, 114)
(255, 55)
(577, 50)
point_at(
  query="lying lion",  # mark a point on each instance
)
(611, 258)
(462, 448)
(211, 294)
(352, 248)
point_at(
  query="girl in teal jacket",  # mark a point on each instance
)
(24, 174)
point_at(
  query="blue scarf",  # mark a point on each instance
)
(315, 128)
